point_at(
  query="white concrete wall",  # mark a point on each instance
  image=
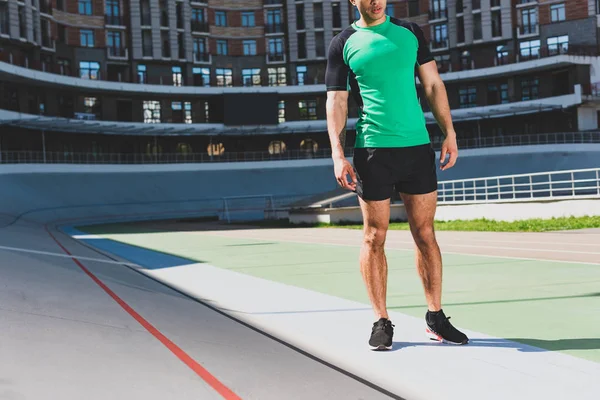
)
(587, 118)
(499, 212)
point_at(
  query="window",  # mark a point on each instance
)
(113, 42)
(320, 44)
(251, 77)
(530, 49)
(440, 36)
(249, 47)
(177, 76)
(495, 3)
(89, 105)
(476, 4)
(460, 29)
(440, 9)
(557, 12)
(460, 7)
(200, 51)
(497, 94)
(166, 45)
(309, 145)
(85, 7)
(389, 10)
(300, 17)
(146, 43)
(467, 96)
(558, 45)
(142, 74)
(224, 76)
(222, 47)
(89, 70)
(248, 18)
(201, 76)
(443, 62)
(22, 22)
(281, 111)
(301, 74)
(528, 21)
(220, 18)
(307, 109)
(502, 55)
(277, 76)
(4, 18)
(302, 45)
(477, 31)
(86, 38)
(274, 24)
(277, 147)
(318, 12)
(182, 113)
(113, 14)
(336, 15)
(276, 49)
(529, 89)
(496, 24)
(145, 12)
(151, 112)
(413, 8)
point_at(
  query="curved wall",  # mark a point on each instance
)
(46, 192)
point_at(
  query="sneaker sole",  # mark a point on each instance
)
(381, 347)
(434, 336)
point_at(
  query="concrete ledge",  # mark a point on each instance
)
(497, 211)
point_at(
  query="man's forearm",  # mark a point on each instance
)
(337, 118)
(438, 101)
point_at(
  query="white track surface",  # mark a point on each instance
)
(337, 331)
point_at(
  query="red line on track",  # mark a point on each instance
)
(178, 352)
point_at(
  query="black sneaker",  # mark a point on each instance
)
(381, 335)
(439, 328)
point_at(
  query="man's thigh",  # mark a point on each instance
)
(420, 208)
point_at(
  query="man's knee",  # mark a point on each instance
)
(424, 235)
(374, 237)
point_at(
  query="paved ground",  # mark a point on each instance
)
(535, 288)
(90, 328)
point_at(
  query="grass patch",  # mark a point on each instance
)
(481, 225)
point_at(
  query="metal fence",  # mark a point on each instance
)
(38, 157)
(580, 183)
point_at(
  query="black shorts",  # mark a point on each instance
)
(381, 171)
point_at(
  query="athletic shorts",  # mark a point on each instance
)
(381, 171)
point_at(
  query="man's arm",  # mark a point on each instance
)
(435, 93)
(337, 118)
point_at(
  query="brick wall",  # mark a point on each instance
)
(236, 32)
(577, 9)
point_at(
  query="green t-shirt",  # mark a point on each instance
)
(378, 66)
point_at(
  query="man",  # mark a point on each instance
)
(376, 58)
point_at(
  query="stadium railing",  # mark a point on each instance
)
(37, 157)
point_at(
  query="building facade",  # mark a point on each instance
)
(510, 66)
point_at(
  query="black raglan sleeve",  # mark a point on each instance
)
(337, 72)
(423, 54)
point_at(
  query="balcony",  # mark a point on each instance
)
(438, 14)
(45, 7)
(202, 57)
(114, 20)
(278, 57)
(274, 28)
(200, 26)
(116, 52)
(48, 43)
(528, 30)
(439, 44)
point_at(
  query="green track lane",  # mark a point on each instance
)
(551, 305)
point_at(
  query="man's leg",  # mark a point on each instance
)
(373, 263)
(420, 210)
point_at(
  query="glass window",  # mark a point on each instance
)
(248, 18)
(220, 18)
(557, 12)
(86, 37)
(249, 47)
(85, 7)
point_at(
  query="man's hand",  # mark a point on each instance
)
(343, 168)
(449, 147)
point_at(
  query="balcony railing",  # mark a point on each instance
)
(275, 57)
(274, 28)
(200, 26)
(39, 157)
(438, 14)
(528, 30)
(117, 52)
(439, 44)
(115, 20)
(202, 57)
